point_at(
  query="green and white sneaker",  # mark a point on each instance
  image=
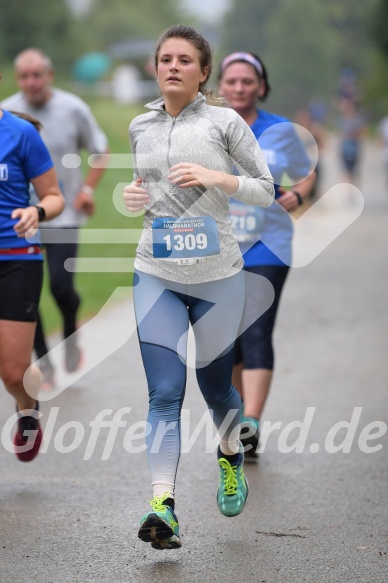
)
(160, 527)
(233, 489)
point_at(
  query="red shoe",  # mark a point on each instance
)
(28, 438)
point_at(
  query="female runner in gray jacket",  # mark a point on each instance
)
(188, 264)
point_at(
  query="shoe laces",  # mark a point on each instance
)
(230, 477)
(157, 502)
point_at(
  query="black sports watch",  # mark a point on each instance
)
(41, 213)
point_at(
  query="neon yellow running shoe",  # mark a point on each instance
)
(233, 489)
(160, 526)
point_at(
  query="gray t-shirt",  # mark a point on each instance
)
(68, 127)
(216, 138)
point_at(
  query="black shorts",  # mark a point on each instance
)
(20, 287)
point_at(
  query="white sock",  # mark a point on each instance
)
(160, 488)
(229, 447)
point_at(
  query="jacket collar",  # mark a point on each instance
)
(158, 105)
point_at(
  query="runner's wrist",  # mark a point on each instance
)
(221, 179)
(87, 190)
(41, 213)
(299, 197)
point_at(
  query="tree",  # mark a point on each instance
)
(303, 57)
(109, 22)
(246, 27)
(379, 27)
(38, 23)
(307, 45)
(349, 20)
(376, 84)
(293, 39)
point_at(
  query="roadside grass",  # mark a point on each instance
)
(96, 288)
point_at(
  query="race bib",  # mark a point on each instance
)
(185, 238)
(247, 221)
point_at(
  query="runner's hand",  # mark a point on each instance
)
(288, 200)
(135, 197)
(188, 175)
(84, 203)
(28, 221)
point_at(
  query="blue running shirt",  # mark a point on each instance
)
(23, 156)
(285, 155)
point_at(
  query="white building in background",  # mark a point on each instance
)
(126, 84)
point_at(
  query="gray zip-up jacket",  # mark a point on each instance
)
(217, 138)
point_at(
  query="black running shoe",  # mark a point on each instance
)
(249, 437)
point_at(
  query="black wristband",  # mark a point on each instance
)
(299, 197)
(41, 213)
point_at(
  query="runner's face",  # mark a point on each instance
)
(241, 86)
(179, 71)
(34, 79)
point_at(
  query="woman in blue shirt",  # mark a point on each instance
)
(24, 159)
(265, 235)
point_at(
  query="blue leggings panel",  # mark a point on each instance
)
(164, 310)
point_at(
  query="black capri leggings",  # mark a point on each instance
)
(63, 290)
(254, 348)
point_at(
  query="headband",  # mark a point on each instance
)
(247, 57)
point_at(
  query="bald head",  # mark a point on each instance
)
(31, 55)
(34, 75)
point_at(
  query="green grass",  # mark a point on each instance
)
(96, 288)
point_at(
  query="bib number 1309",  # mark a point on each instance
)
(188, 242)
(185, 238)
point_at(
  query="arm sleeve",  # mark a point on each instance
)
(132, 142)
(91, 136)
(299, 163)
(256, 185)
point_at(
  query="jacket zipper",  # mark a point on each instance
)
(172, 186)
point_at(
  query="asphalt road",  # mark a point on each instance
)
(318, 514)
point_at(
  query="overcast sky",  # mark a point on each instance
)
(207, 9)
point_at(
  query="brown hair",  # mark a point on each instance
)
(203, 47)
(35, 122)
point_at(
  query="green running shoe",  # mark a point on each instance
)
(233, 489)
(160, 527)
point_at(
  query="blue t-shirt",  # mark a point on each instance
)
(23, 156)
(285, 155)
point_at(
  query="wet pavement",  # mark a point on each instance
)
(317, 510)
